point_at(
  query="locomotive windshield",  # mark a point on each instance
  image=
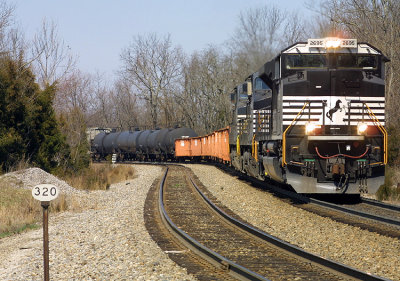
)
(294, 61)
(302, 61)
(356, 61)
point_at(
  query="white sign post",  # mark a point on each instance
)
(45, 193)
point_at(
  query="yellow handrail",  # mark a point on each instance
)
(238, 145)
(254, 148)
(284, 136)
(384, 132)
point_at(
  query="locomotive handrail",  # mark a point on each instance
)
(284, 135)
(384, 132)
(254, 149)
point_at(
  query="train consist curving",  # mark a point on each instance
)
(313, 117)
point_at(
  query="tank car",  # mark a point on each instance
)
(314, 118)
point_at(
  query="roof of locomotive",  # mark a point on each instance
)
(336, 45)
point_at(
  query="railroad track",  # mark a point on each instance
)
(237, 249)
(367, 214)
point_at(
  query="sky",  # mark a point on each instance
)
(97, 31)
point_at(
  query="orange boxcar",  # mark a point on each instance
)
(195, 147)
(222, 144)
(182, 148)
(214, 146)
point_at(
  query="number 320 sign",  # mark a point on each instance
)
(45, 192)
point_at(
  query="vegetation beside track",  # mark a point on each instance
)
(20, 212)
(390, 190)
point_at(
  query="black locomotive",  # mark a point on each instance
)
(314, 117)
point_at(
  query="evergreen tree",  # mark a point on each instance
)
(28, 126)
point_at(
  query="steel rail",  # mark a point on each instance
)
(332, 265)
(380, 204)
(380, 219)
(304, 199)
(211, 256)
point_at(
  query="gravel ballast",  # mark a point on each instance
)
(346, 244)
(106, 241)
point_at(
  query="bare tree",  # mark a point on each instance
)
(204, 102)
(75, 91)
(294, 29)
(261, 33)
(127, 108)
(6, 22)
(52, 57)
(104, 105)
(12, 42)
(153, 66)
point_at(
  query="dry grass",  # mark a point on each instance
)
(100, 176)
(19, 211)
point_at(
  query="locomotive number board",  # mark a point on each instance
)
(324, 43)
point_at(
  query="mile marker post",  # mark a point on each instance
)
(45, 193)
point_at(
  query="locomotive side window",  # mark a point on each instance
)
(242, 95)
(353, 61)
(260, 84)
(306, 61)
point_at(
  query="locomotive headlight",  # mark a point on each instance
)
(362, 127)
(310, 127)
(333, 43)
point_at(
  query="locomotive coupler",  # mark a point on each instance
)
(336, 171)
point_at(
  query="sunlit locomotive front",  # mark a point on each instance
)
(314, 117)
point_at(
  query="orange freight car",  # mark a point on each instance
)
(222, 144)
(214, 146)
(182, 147)
(196, 147)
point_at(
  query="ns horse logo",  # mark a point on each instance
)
(332, 111)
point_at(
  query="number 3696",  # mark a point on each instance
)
(45, 192)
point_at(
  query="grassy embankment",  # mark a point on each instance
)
(19, 211)
(390, 190)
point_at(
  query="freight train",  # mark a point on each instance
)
(313, 118)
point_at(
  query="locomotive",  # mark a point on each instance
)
(314, 118)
